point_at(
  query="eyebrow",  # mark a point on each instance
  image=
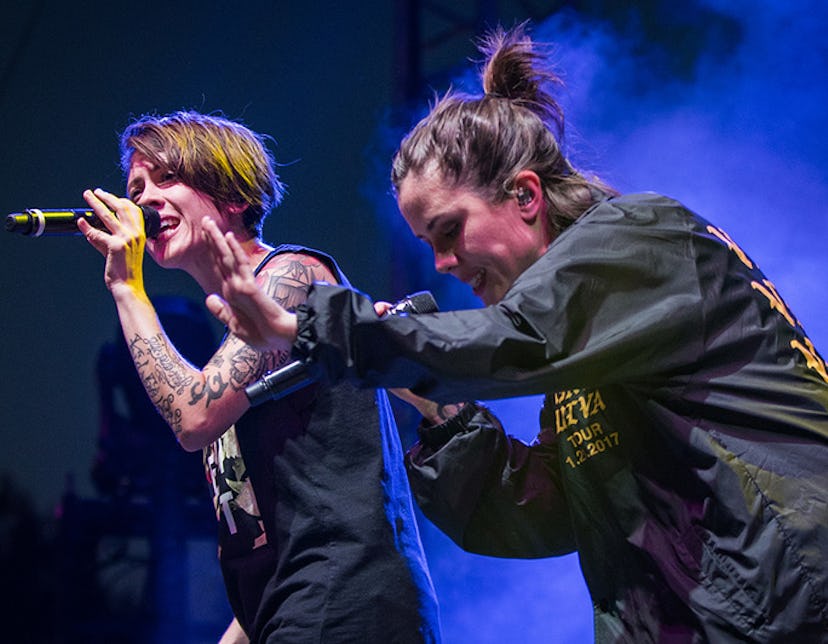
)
(435, 220)
(151, 167)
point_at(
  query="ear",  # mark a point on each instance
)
(528, 194)
(233, 214)
(235, 209)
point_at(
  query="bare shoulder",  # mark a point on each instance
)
(287, 276)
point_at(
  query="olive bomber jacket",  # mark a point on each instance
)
(683, 445)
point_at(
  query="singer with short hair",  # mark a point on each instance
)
(317, 535)
(683, 442)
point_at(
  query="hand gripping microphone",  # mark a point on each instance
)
(36, 223)
(294, 376)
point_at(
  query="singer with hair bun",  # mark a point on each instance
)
(318, 540)
(682, 450)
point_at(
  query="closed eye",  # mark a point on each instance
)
(135, 192)
(451, 231)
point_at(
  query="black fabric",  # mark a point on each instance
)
(683, 449)
(330, 551)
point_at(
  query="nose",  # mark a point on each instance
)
(444, 261)
(151, 195)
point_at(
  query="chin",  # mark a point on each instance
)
(492, 298)
(163, 259)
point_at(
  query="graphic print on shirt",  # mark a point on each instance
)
(577, 414)
(240, 523)
(812, 359)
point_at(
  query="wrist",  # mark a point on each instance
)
(284, 334)
(124, 291)
(291, 327)
(435, 436)
(437, 414)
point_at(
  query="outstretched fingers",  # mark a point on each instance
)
(243, 306)
(236, 321)
(227, 252)
(218, 307)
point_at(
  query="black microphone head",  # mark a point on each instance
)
(152, 221)
(419, 302)
(422, 302)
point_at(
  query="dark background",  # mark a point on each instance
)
(720, 104)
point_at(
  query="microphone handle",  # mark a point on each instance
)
(278, 384)
(294, 376)
(37, 223)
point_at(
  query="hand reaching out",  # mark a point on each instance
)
(433, 412)
(243, 306)
(258, 320)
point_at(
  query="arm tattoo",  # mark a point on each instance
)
(245, 365)
(160, 368)
(287, 282)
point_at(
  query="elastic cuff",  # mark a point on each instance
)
(305, 335)
(435, 436)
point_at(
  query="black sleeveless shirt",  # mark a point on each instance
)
(318, 539)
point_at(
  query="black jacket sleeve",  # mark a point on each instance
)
(614, 299)
(489, 492)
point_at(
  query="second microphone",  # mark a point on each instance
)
(294, 376)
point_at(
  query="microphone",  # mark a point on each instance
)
(294, 376)
(36, 223)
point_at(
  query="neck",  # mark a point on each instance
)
(210, 279)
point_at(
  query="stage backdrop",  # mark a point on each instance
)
(719, 104)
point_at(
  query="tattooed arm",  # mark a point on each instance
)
(199, 405)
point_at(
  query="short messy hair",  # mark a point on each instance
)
(214, 155)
